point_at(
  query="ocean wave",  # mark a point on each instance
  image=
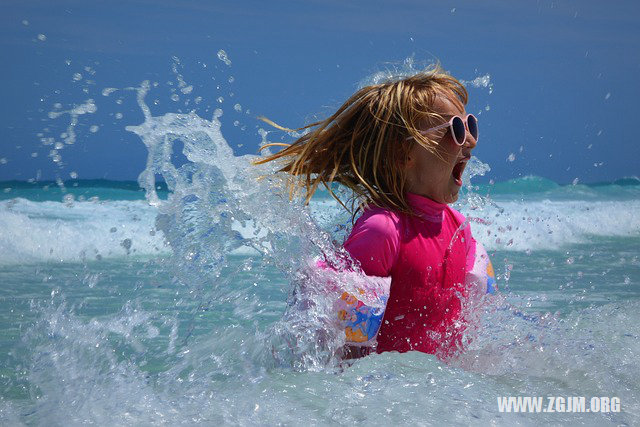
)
(78, 231)
(531, 185)
(552, 224)
(540, 187)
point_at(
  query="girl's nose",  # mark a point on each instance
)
(470, 141)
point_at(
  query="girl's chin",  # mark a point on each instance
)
(454, 190)
(452, 198)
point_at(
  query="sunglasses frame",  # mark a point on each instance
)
(449, 124)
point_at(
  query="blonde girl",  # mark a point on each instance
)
(401, 147)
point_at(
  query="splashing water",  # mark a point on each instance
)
(69, 137)
(218, 204)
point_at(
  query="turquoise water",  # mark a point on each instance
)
(95, 334)
(169, 304)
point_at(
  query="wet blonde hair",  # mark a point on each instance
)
(366, 142)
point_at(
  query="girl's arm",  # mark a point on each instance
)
(478, 266)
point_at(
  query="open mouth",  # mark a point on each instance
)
(457, 171)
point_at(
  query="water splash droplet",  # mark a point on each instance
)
(222, 56)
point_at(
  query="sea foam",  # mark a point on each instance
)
(549, 225)
(78, 231)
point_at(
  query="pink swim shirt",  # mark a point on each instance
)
(427, 256)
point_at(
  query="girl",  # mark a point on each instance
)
(401, 147)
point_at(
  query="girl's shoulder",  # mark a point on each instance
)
(374, 240)
(379, 219)
(459, 218)
(470, 242)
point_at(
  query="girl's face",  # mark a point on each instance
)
(431, 176)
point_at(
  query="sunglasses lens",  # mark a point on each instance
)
(472, 122)
(458, 130)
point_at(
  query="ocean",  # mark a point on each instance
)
(168, 300)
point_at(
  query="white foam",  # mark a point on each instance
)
(535, 225)
(55, 231)
(550, 224)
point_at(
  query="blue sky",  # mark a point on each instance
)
(563, 75)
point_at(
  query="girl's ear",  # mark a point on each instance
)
(409, 163)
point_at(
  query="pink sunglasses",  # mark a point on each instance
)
(458, 128)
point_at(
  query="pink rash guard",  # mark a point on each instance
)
(427, 257)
